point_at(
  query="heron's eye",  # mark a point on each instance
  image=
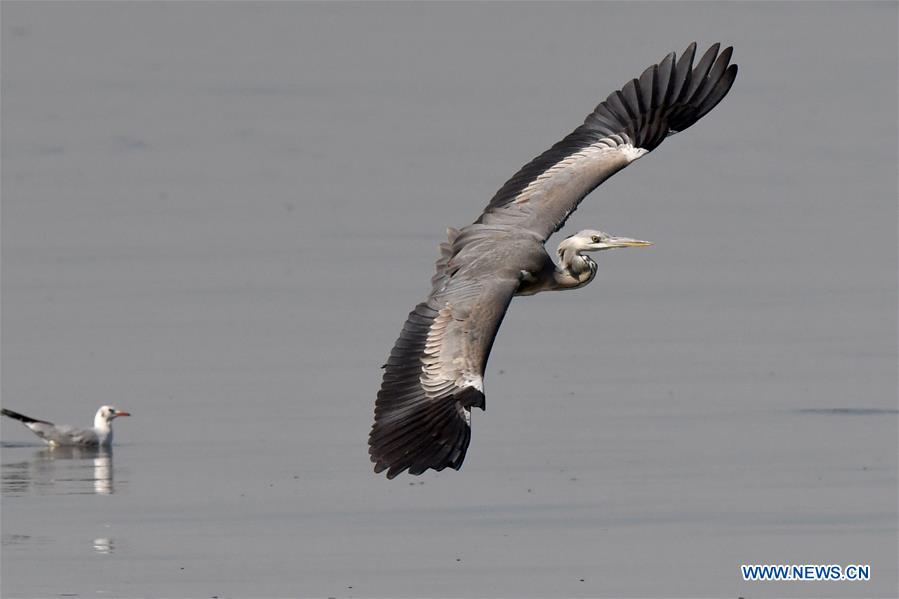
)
(595, 239)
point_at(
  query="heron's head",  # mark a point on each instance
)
(590, 240)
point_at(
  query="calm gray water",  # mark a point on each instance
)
(216, 216)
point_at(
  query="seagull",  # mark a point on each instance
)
(63, 435)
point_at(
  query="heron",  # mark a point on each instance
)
(434, 375)
(63, 435)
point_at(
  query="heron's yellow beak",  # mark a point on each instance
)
(626, 242)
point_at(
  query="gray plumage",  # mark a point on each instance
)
(63, 435)
(434, 375)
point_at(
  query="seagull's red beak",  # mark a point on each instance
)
(122, 414)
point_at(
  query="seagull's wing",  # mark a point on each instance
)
(65, 435)
(668, 97)
(22, 417)
(434, 375)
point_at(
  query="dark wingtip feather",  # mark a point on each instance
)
(647, 82)
(641, 113)
(710, 82)
(701, 70)
(433, 440)
(667, 97)
(683, 73)
(22, 417)
(718, 91)
(666, 74)
(714, 75)
(412, 430)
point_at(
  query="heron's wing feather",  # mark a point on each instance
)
(668, 97)
(434, 375)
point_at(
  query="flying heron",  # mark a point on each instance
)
(434, 376)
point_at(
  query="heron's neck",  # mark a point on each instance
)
(575, 269)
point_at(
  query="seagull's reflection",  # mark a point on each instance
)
(104, 545)
(89, 465)
(63, 471)
(103, 481)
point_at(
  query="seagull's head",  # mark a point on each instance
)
(591, 240)
(107, 414)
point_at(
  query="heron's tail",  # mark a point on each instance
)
(22, 417)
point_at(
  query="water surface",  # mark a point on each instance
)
(216, 217)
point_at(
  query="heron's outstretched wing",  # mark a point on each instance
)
(434, 375)
(668, 97)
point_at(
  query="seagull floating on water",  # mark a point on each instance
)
(56, 435)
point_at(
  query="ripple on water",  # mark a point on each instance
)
(850, 411)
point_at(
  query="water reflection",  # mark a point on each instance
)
(104, 545)
(60, 471)
(20, 542)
